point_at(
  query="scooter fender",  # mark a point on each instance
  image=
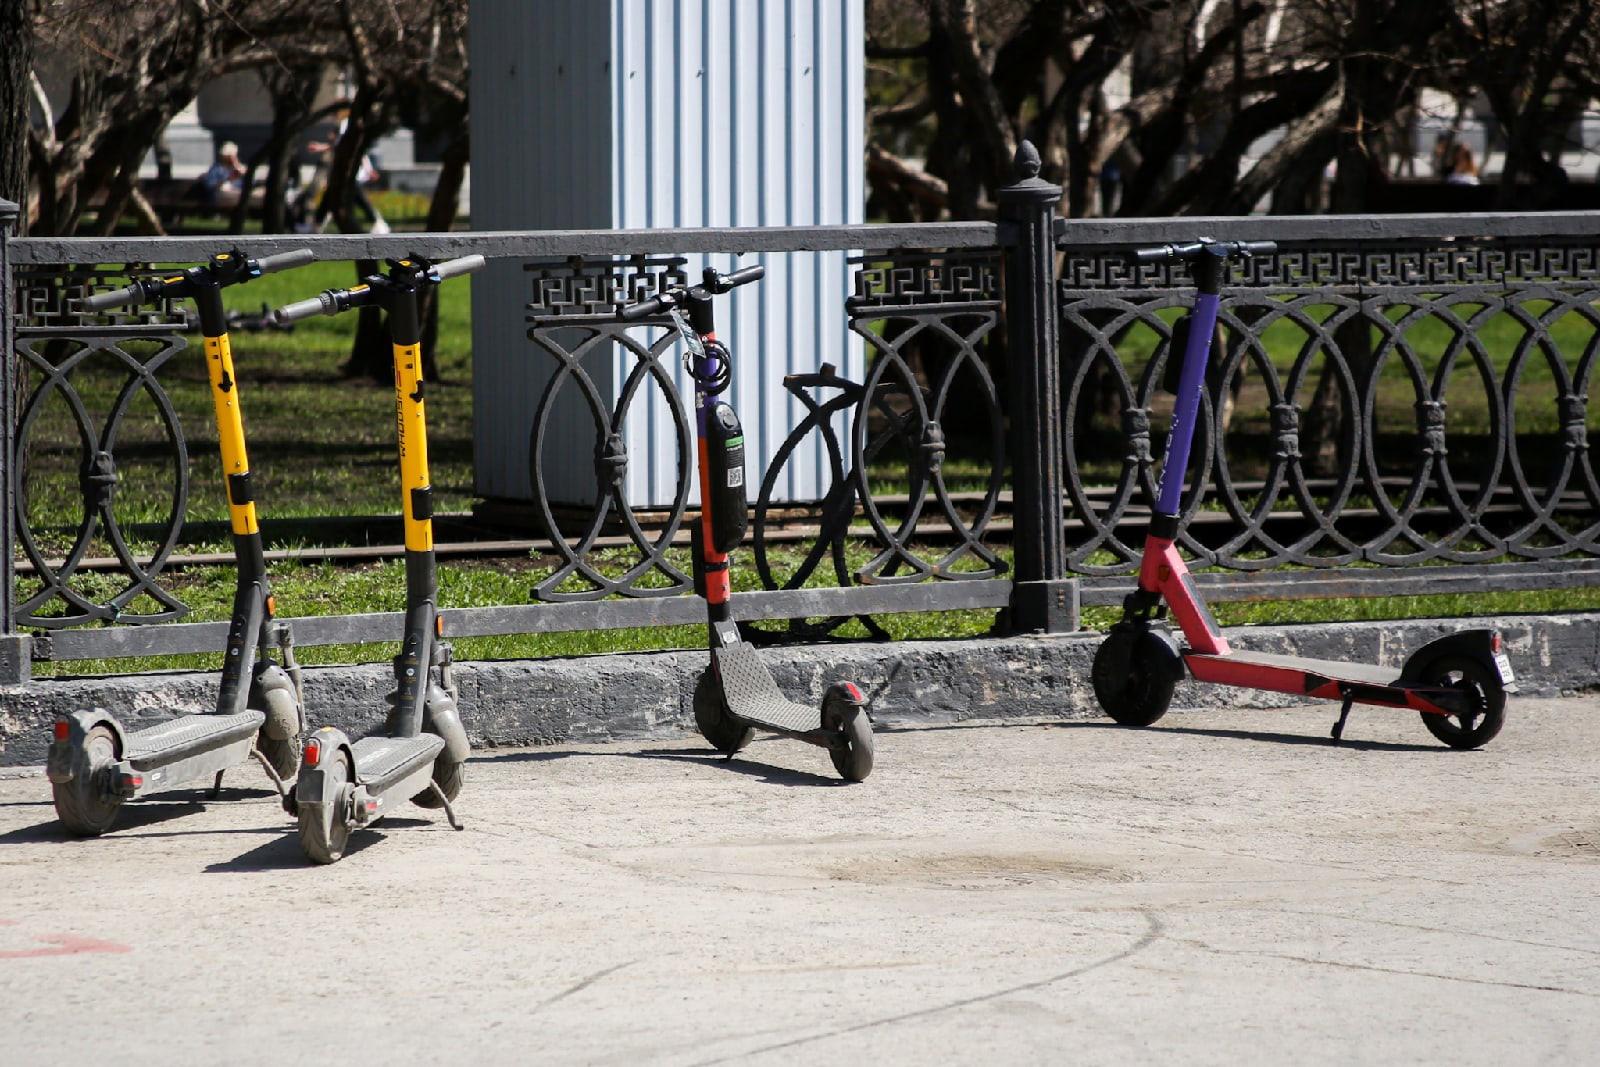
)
(314, 785)
(1483, 645)
(272, 691)
(65, 760)
(842, 701)
(442, 718)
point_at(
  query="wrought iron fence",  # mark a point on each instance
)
(1027, 353)
(1355, 352)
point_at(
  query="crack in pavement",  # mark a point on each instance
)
(1378, 969)
(1153, 932)
(581, 985)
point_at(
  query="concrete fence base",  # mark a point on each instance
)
(648, 695)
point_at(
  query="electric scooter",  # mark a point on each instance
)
(421, 754)
(1457, 683)
(738, 695)
(96, 763)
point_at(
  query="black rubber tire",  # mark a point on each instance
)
(853, 760)
(725, 733)
(448, 775)
(1470, 674)
(1134, 682)
(324, 834)
(81, 804)
(284, 755)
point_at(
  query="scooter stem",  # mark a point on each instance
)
(1186, 411)
(411, 431)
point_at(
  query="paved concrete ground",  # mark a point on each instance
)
(1224, 886)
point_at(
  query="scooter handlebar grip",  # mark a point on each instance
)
(286, 260)
(1153, 255)
(745, 276)
(642, 310)
(450, 268)
(321, 304)
(1258, 248)
(130, 294)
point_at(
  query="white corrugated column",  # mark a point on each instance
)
(709, 113)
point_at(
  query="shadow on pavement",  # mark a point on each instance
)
(1322, 741)
(775, 775)
(283, 853)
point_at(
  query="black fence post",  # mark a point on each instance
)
(1042, 597)
(14, 647)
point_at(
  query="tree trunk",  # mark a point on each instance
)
(16, 61)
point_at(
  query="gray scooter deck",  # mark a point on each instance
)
(753, 696)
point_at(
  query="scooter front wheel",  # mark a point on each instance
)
(1135, 671)
(83, 804)
(1474, 729)
(725, 733)
(324, 828)
(279, 739)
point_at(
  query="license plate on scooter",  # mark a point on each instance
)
(1502, 663)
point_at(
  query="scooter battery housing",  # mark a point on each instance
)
(725, 477)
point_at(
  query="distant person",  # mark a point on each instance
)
(1463, 167)
(366, 174)
(222, 184)
(1443, 155)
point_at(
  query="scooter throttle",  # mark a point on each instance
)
(321, 304)
(285, 260)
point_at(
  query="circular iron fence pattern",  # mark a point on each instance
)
(571, 318)
(53, 343)
(98, 477)
(1358, 309)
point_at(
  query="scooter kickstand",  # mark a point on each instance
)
(266, 765)
(444, 802)
(1344, 713)
(216, 786)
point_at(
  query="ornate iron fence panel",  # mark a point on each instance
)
(96, 367)
(925, 318)
(1338, 340)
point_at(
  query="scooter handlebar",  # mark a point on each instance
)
(299, 257)
(131, 294)
(321, 304)
(743, 277)
(642, 310)
(1185, 252)
(451, 268)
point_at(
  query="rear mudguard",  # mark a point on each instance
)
(65, 761)
(314, 786)
(1468, 644)
(842, 702)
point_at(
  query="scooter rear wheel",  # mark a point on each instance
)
(853, 760)
(1473, 731)
(324, 832)
(725, 733)
(1134, 674)
(83, 805)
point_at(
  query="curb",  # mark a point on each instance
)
(649, 695)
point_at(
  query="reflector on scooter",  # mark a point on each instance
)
(313, 753)
(63, 729)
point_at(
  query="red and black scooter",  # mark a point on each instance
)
(1458, 683)
(738, 695)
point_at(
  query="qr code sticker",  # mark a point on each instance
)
(735, 477)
